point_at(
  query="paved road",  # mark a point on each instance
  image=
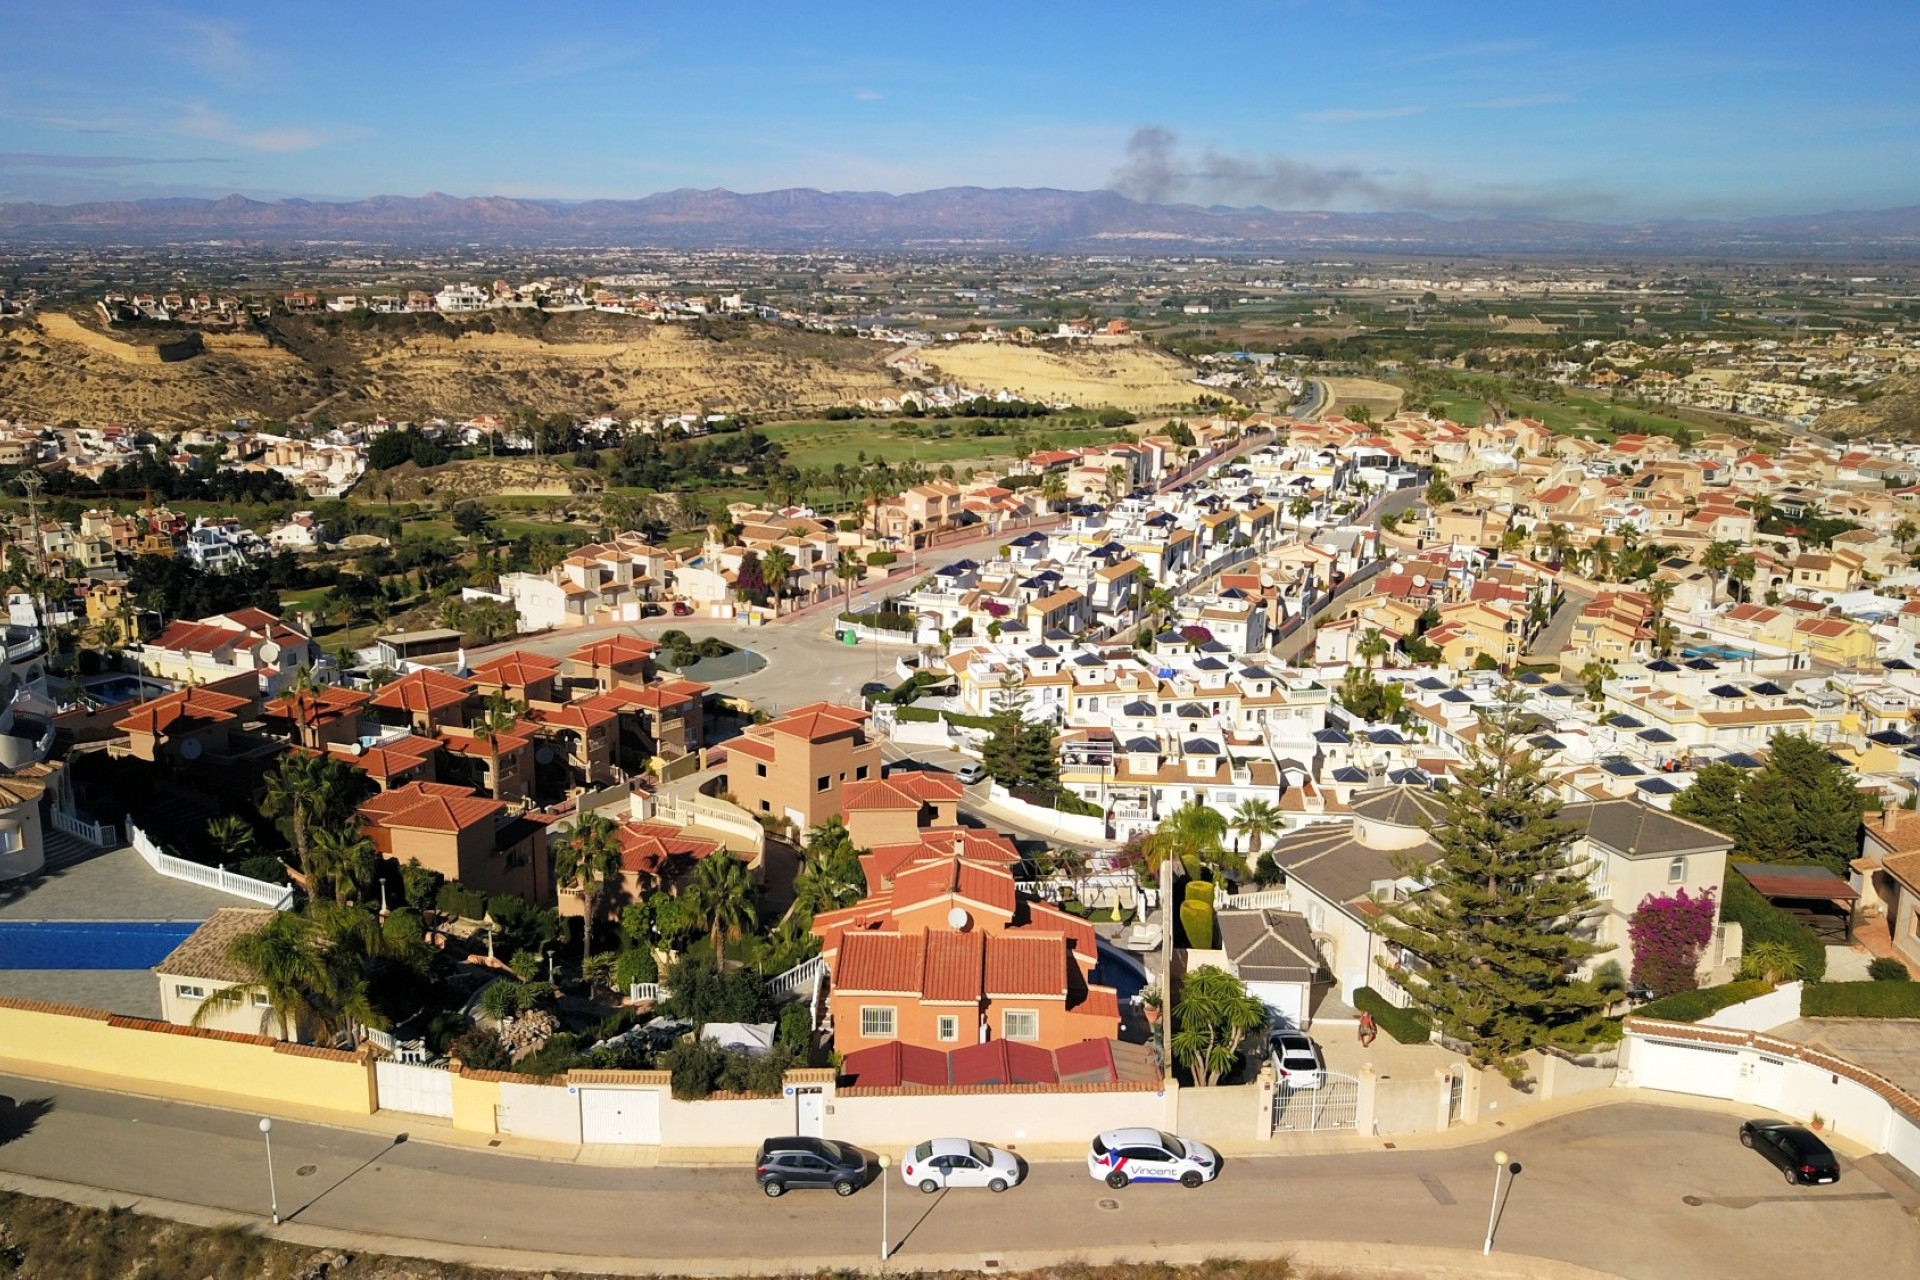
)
(1602, 1187)
(1553, 638)
(973, 800)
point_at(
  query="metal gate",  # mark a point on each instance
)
(1334, 1105)
(1456, 1095)
(408, 1086)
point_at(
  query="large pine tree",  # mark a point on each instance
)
(1495, 932)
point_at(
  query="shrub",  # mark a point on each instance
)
(1887, 969)
(703, 994)
(1763, 922)
(1267, 872)
(1196, 919)
(1668, 933)
(1860, 1000)
(262, 867)
(455, 899)
(480, 1049)
(1770, 962)
(559, 1055)
(1198, 891)
(879, 558)
(1691, 1006)
(1408, 1026)
(796, 1029)
(636, 965)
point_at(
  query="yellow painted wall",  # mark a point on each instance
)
(175, 1059)
(475, 1095)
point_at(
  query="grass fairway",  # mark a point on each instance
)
(823, 444)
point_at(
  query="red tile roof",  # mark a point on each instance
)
(181, 712)
(905, 790)
(1026, 965)
(431, 806)
(426, 690)
(879, 962)
(953, 968)
(517, 668)
(392, 757)
(1002, 1062)
(888, 1066)
(819, 721)
(646, 847)
(613, 651)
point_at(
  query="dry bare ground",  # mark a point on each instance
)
(61, 368)
(1130, 377)
(1382, 398)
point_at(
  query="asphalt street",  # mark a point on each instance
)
(1632, 1189)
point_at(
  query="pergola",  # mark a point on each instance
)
(1802, 891)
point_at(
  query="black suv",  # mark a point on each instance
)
(810, 1162)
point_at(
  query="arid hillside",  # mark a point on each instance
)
(1134, 377)
(1893, 414)
(63, 367)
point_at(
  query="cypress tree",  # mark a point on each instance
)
(1494, 935)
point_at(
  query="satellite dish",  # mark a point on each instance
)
(190, 749)
(959, 919)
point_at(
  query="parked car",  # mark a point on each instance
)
(1297, 1060)
(788, 1163)
(959, 1162)
(681, 609)
(1120, 1156)
(1794, 1149)
(875, 688)
(970, 772)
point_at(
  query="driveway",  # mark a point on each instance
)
(1631, 1189)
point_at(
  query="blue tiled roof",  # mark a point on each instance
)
(1656, 735)
(1349, 774)
(1624, 722)
(1620, 768)
(1657, 786)
(1331, 736)
(1740, 760)
(1546, 742)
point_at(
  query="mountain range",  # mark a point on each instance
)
(949, 219)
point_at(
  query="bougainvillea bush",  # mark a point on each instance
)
(1668, 933)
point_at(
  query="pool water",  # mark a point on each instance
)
(117, 689)
(89, 944)
(1111, 971)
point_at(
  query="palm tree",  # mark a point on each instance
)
(1904, 533)
(721, 898)
(304, 790)
(231, 836)
(1559, 543)
(1194, 830)
(1300, 508)
(775, 566)
(1741, 570)
(288, 969)
(1213, 1015)
(1716, 559)
(498, 715)
(1117, 486)
(346, 859)
(1259, 819)
(1371, 647)
(587, 861)
(1053, 487)
(848, 570)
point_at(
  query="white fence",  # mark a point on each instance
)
(277, 896)
(1257, 900)
(651, 991)
(797, 981)
(101, 835)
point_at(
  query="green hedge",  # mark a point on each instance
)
(1860, 1000)
(1691, 1006)
(1764, 922)
(1196, 919)
(927, 715)
(1198, 891)
(455, 899)
(1408, 1026)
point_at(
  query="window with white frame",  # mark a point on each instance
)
(948, 1026)
(876, 1022)
(187, 991)
(1677, 871)
(1020, 1024)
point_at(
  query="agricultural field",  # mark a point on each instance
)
(1382, 399)
(1133, 377)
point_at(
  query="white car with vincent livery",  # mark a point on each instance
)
(1120, 1156)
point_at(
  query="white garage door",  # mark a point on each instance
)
(1686, 1068)
(620, 1115)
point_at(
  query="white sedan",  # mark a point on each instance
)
(959, 1162)
(1120, 1156)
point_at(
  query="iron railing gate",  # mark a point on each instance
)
(1334, 1105)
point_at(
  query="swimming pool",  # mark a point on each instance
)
(114, 690)
(1122, 972)
(89, 944)
(1720, 651)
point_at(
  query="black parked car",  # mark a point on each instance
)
(787, 1163)
(1794, 1149)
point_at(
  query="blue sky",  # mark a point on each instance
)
(1615, 111)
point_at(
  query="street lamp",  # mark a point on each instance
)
(550, 979)
(1499, 1167)
(886, 1249)
(273, 1191)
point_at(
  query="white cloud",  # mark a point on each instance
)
(867, 95)
(1342, 115)
(202, 121)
